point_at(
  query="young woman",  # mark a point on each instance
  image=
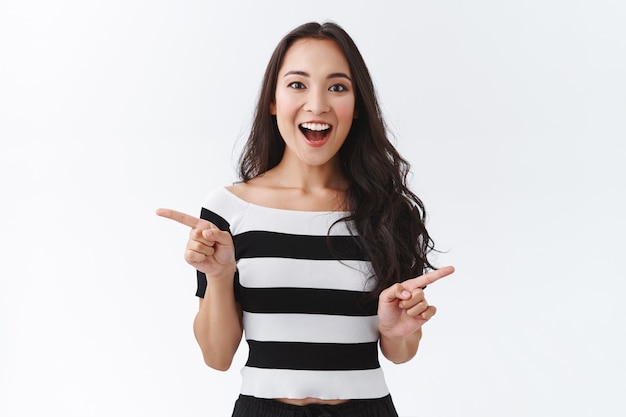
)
(319, 253)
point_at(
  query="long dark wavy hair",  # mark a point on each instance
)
(387, 216)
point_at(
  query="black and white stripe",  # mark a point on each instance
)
(309, 321)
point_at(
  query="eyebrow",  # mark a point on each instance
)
(333, 75)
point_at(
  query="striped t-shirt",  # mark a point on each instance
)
(311, 329)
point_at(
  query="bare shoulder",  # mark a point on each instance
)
(258, 191)
(245, 191)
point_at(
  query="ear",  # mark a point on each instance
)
(273, 109)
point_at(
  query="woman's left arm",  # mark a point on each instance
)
(402, 311)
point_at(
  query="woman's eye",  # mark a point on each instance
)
(296, 84)
(338, 88)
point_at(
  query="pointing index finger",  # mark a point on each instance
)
(430, 277)
(182, 218)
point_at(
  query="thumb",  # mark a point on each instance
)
(395, 292)
(218, 236)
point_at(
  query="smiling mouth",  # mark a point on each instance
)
(315, 132)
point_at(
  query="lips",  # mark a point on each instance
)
(316, 134)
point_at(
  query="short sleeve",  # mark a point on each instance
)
(222, 224)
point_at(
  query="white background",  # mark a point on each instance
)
(511, 112)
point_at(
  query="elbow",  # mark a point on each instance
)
(399, 361)
(399, 354)
(219, 364)
(398, 358)
(217, 361)
(219, 367)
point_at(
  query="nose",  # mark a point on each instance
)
(317, 102)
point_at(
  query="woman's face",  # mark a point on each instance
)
(314, 102)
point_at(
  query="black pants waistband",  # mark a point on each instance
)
(247, 406)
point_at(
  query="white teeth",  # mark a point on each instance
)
(315, 126)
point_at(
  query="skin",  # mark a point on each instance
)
(402, 311)
(314, 86)
(217, 326)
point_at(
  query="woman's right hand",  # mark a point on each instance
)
(209, 249)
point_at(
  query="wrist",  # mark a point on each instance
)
(221, 281)
(395, 335)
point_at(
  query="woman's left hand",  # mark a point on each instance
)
(403, 309)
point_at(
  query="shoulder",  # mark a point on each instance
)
(245, 191)
(258, 191)
(222, 197)
(223, 208)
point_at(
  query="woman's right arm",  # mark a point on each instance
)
(218, 325)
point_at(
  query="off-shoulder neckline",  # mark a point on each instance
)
(261, 207)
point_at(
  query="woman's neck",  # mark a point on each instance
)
(306, 178)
